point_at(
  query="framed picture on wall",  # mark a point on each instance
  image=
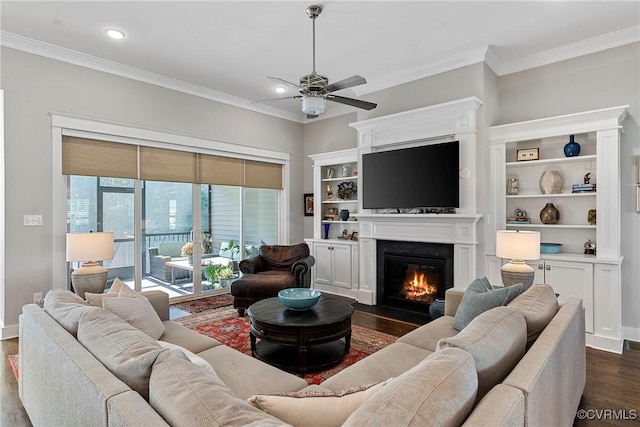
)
(308, 204)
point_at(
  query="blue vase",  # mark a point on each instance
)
(572, 148)
(326, 230)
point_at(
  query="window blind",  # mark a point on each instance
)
(92, 157)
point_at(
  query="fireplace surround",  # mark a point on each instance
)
(412, 275)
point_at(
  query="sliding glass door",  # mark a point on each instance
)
(191, 236)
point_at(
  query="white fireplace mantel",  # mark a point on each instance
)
(450, 121)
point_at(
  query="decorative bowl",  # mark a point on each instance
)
(550, 248)
(299, 298)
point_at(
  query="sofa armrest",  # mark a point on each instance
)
(301, 270)
(160, 302)
(453, 296)
(251, 265)
(130, 409)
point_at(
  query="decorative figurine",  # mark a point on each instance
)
(591, 216)
(590, 247)
(330, 173)
(345, 171)
(587, 178)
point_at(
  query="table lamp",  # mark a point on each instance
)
(518, 246)
(89, 248)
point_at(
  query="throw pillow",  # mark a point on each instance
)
(194, 358)
(184, 395)
(124, 350)
(116, 286)
(539, 304)
(439, 391)
(138, 312)
(96, 299)
(65, 307)
(480, 297)
(496, 339)
(315, 408)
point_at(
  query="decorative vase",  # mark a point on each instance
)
(550, 182)
(572, 148)
(344, 214)
(326, 230)
(190, 259)
(549, 214)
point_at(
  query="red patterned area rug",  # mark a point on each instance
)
(224, 325)
(204, 304)
(13, 361)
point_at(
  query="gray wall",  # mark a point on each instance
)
(35, 86)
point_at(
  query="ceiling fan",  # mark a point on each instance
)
(314, 89)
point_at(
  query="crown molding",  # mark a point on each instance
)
(573, 50)
(50, 51)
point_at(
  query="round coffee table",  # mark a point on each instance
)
(300, 341)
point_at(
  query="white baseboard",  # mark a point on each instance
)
(630, 333)
(10, 331)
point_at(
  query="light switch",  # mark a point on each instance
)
(32, 220)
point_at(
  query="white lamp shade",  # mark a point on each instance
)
(518, 245)
(89, 246)
(313, 105)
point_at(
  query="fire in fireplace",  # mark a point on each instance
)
(412, 275)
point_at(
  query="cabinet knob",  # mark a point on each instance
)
(548, 267)
(540, 266)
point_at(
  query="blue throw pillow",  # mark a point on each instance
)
(480, 297)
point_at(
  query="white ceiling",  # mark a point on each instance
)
(223, 50)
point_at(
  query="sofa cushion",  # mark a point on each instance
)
(315, 408)
(282, 257)
(480, 297)
(497, 341)
(439, 391)
(184, 395)
(138, 312)
(66, 308)
(539, 304)
(194, 358)
(124, 350)
(178, 334)
(427, 336)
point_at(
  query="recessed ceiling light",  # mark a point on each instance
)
(114, 33)
(280, 89)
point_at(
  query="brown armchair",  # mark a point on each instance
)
(276, 267)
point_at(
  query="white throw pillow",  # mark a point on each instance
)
(138, 312)
(315, 408)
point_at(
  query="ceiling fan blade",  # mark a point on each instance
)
(348, 82)
(284, 81)
(353, 102)
(277, 99)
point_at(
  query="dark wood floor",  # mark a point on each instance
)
(612, 390)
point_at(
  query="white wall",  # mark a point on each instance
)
(605, 79)
(35, 86)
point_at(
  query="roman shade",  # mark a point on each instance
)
(92, 157)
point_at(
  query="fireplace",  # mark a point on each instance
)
(411, 275)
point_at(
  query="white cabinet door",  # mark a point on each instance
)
(568, 280)
(341, 265)
(324, 264)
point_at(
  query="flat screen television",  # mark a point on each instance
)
(419, 177)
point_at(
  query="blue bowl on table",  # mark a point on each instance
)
(299, 298)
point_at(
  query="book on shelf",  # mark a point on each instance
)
(514, 220)
(583, 188)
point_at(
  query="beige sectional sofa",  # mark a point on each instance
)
(494, 372)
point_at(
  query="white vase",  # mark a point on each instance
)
(551, 182)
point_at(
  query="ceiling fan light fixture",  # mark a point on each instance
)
(280, 89)
(313, 105)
